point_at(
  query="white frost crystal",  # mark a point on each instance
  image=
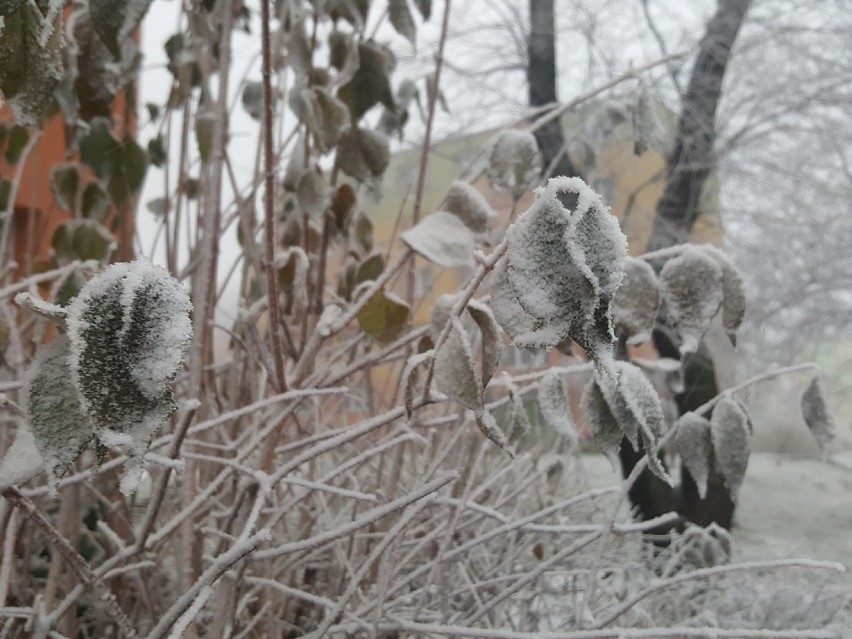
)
(515, 162)
(129, 329)
(470, 206)
(22, 461)
(554, 407)
(563, 266)
(729, 431)
(636, 302)
(693, 291)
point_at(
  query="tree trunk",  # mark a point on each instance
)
(541, 79)
(692, 155)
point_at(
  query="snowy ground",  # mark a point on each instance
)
(789, 506)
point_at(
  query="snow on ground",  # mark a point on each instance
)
(789, 506)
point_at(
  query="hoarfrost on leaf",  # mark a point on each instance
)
(734, 303)
(636, 302)
(563, 266)
(515, 162)
(605, 428)
(61, 428)
(129, 329)
(442, 238)
(520, 424)
(470, 206)
(455, 369)
(22, 461)
(695, 447)
(553, 403)
(409, 377)
(487, 424)
(442, 311)
(816, 415)
(693, 291)
(490, 338)
(729, 433)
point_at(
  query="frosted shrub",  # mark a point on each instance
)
(312, 462)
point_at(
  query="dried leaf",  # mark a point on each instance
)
(455, 369)
(692, 290)
(816, 415)
(442, 238)
(554, 407)
(694, 445)
(490, 336)
(730, 435)
(636, 302)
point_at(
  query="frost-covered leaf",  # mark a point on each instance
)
(554, 407)
(252, 99)
(563, 268)
(392, 122)
(605, 428)
(635, 406)
(384, 317)
(363, 154)
(101, 150)
(333, 119)
(442, 238)
(488, 426)
(370, 84)
(520, 420)
(515, 162)
(455, 369)
(61, 427)
(734, 302)
(292, 265)
(114, 20)
(507, 309)
(694, 445)
(816, 415)
(22, 460)
(470, 206)
(129, 330)
(409, 377)
(442, 311)
(490, 336)
(65, 184)
(692, 289)
(730, 435)
(312, 193)
(31, 43)
(636, 302)
(402, 20)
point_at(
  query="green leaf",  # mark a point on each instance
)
(91, 241)
(5, 192)
(96, 202)
(363, 154)
(17, 141)
(370, 268)
(101, 150)
(157, 150)
(205, 126)
(364, 233)
(370, 85)
(402, 21)
(158, 206)
(65, 184)
(61, 241)
(153, 111)
(135, 163)
(384, 317)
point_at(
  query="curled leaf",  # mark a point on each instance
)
(312, 193)
(563, 266)
(605, 428)
(490, 337)
(692, 288)
(636, 302)
(729, 433)
(734, 301)
(488, 426)
(694, 445)
(816, 415)
(514, 163)
(409, 377)
(518, 413)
